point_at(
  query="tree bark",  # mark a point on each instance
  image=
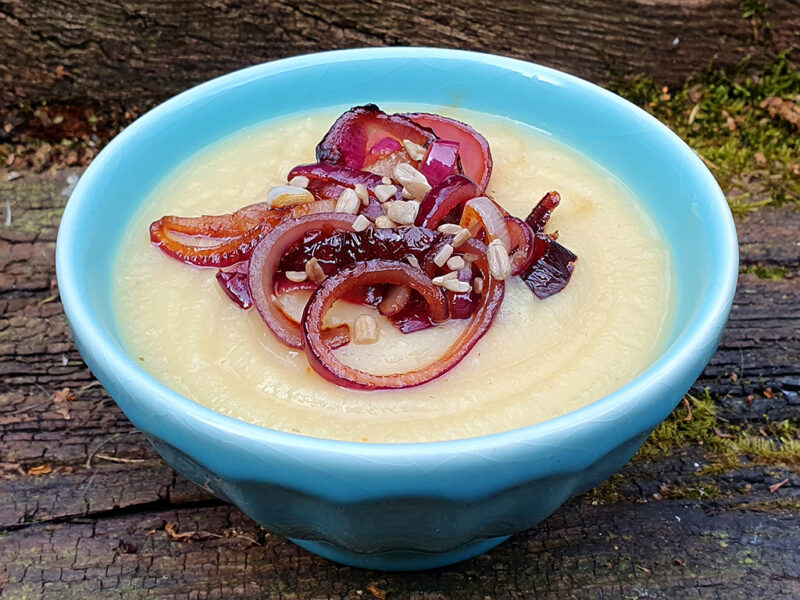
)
(138, 53)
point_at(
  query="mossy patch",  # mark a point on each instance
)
(729, 447)
(699, 490)
(753, 9)
(680, 430)
(774, 273)
(789, 504)
(755, 156)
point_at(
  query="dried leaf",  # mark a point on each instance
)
(64, 395)
(40, 470)
(785, 109)
(696, 93)
(721, 433)
(376, 591)
(171, 530)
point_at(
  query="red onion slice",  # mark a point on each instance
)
(444, 198)
(236, 240)
(540, 214)
(522, 245)
(264, 262)
(440, 161)
(483, 212)
(234, 284)
(476, 158)
(359, 129)
(325, 362)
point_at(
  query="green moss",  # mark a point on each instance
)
(765, 271)
(753, 9)
(607, 492)
(743, 447)
(701, 490)
(790, 504)
(676, 431)
(755, 157)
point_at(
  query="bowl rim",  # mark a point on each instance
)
(700, 331)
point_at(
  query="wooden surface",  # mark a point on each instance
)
(89, 511)
(97, 525)
(121, 52)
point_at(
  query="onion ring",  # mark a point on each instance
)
(483, 212)
(325, 362)
(264, 262)
(240, 232)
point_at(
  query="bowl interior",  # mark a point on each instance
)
(679, 193)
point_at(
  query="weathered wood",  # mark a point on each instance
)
(94, 527)
(137, 53)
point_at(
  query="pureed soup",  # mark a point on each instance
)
(539, 359)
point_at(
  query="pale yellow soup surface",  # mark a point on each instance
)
(540, 359)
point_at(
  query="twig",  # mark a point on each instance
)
(103, 443)
(721, 433)
(118, 459)
(47, 300)
(27, 408)
(89, 386)
(708, 162)
(776, 486)
(688, 409)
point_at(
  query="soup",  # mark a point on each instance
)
(540, 358)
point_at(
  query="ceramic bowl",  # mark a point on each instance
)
(402, 506)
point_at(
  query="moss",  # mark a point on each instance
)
(753, 9)
(765, 271)
(701, 490)
(755, 157)
(676, 431)
(742, 448)
(790, 504)
(607, 492)
(781, 452)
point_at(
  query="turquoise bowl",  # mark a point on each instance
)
(402, 506)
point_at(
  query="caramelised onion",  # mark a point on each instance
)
(264, 263)
(522, 244)
(383, 147)
(234, 284)
(335, 178)
(540, 214)
(551, 269)
(326, 363)
(440, 161)
(394, 300)
(237, 233)
(482, 212)
(450, 194)
(473, 150)
(358, 130)
(311, 247)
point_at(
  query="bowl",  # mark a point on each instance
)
(402, 506)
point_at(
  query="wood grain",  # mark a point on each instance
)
(94, 527)
(137, 53)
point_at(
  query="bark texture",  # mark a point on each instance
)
(106, 518)
(138, 53)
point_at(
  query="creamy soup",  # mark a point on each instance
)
(540, 359)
